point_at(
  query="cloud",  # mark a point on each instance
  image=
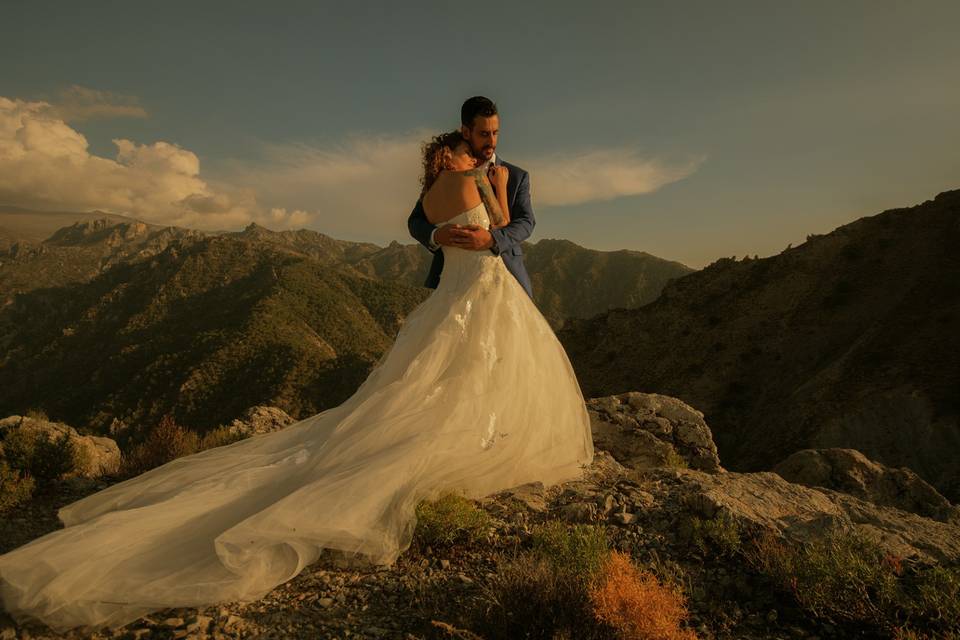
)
(605, 174)
(45, 163)
(363, 187)
(79, 103)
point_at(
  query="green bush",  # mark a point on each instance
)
(931, 598)
(53, 457)
(450, 519)
(717, 536)
(43, 456)
(845, 577)
(577, 550)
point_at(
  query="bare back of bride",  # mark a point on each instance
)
(475, 395)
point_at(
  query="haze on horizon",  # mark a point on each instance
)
(690, 132)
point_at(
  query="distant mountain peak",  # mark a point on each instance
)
(97, 231)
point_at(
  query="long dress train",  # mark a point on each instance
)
(476, 394)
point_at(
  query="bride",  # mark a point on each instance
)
(475, 395)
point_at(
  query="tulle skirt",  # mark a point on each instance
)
(476, 395)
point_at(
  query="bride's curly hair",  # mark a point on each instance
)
(436, 152)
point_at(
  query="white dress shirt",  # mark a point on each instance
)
(486, 165)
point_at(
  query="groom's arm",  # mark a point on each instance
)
(521, 220)
(422, 229)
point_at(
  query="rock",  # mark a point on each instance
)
(607, 504)
(604, 468)
(96, 456)
(579, 512)
(530, 494)
(795, 511)
(260, 419)
(646, 430)
(849, 471)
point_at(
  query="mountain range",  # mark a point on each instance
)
(116, 319)
(848, 340)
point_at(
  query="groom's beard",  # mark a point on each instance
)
(483, 157)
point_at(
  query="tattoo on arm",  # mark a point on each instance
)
(489, 199)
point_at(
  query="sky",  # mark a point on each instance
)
(689, 130)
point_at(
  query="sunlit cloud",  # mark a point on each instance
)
(363, 187)
(45, 164)
(360, 188)
(603, 174)
(79, 103)
(366, 185)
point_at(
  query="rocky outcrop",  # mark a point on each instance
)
(640, 432)
(645, 430)
(646, 509)
(803, 513)
(96, 455)
(849, 471)
(260, 419)
(662, 497)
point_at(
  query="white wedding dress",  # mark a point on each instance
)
(476, 394)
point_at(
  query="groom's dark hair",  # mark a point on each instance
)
(476, 106)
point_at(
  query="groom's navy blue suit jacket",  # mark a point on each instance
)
(506, 240)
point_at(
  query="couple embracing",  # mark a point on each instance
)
(475, 395)
(472, 152)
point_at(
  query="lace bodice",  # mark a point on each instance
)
(476, 215)
(463, 266)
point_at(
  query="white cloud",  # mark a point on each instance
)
(79, 103)
(365, 187)
(361, 188)
(45, 163)
(603, 174)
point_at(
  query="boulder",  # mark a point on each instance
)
(260, 419)
(795, 511)
(850, 471)
(96, 455)
(644, 430)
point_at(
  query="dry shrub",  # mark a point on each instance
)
(16, 487)
(220, 437)
(528, 598)
(166, 441)
(633, 602)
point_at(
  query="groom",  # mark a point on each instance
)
(480, 126)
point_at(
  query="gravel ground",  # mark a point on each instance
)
(428, 589)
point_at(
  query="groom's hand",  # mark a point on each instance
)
(449, 234)
(473, 236)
